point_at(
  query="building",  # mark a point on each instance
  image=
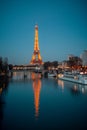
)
(84, 58)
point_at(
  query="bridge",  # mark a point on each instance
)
(28, 67)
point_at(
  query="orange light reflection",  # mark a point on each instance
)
(36, 89)
(61, 84)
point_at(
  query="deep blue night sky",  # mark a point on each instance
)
(62, 29)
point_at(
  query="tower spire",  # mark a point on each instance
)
(36, 57)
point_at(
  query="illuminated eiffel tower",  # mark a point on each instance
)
(36, 57)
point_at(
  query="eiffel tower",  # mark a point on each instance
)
(36, 57)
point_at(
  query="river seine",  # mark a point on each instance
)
(31, 102)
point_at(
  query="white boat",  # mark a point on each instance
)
(81, 79)
(52, 74)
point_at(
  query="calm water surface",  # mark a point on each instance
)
(34, 103)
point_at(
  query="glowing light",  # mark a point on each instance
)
(60, 75)
(81, 73)
(36, 58)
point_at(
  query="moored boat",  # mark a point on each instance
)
(51, 75)
(77, 78)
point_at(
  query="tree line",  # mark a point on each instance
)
(4, 66)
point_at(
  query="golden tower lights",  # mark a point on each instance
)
(36, 57)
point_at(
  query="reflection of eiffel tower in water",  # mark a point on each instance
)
(36, 57)
(36, 89)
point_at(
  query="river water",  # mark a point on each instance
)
(32, 102)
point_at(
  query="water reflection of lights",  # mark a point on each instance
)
(1, 90)
(61, 84)
(15, 74)
(75, 87)
(21, 75)
(83, 90)
(36, 84)
(80, 88)
(36, 88)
